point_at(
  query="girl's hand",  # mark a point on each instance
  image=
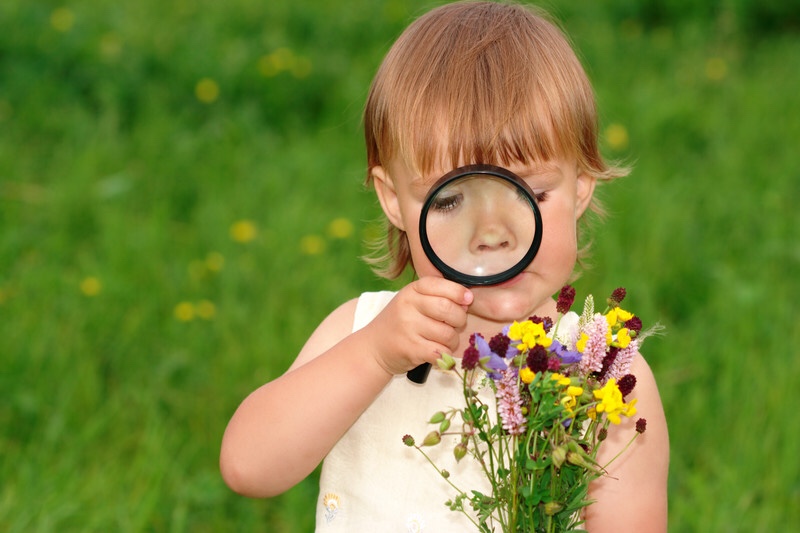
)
(421, 322)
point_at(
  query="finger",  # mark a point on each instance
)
(432, 286)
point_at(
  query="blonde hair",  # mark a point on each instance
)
(479, 82)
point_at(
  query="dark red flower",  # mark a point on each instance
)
(554, 364)
(546, 322)
(565, 299)
(537, 359)
(617, 296)
(470, 359)
(608, 360)
(626, 384)
(499, 344)
(641, 425)
(634, 324)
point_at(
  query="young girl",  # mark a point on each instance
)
(468, 83)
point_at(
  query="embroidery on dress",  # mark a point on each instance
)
(331, 504)
(415, 524)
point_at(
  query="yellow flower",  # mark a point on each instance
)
(561, 379)
(91, 286)
(244, 231)
(215, 261)
(207, 90)
(62, 19)
(312, 245)
(581, 344)
(340, 228)
(616, 136)
(529, 334)
(618, 315)
(623, 338)
(184, 311)
(716, 69)
(611, 402)
(205, 309)
(526, 375)
(570, 399)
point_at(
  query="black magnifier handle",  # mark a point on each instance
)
(419, 374)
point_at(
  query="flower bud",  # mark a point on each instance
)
(432, 439)
(437, 418)
(460, 451)
(408, 440)
(551, 508)
(445, 425)
(577, 459)
(446, 362)
(559, 456)
(445, 474)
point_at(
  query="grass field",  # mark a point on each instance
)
(181, 203)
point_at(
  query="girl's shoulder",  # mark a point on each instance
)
(341, 322)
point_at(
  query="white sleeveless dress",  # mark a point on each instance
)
(373, 483)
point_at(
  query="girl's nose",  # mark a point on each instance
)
(493, 237)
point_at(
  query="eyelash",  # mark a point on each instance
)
(447, 204)
(540, 197)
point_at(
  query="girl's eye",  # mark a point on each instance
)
(447, 203)
(539, 196)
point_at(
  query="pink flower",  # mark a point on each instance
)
(622, 363)
(595, 350)
(509, 403)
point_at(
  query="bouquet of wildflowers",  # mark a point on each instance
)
(558, 385)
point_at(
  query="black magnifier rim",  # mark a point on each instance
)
(470, 280)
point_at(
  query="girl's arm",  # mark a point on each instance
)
(284, 429)
(633, 496)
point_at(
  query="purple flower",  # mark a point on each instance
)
(567, 357)
(489, 359)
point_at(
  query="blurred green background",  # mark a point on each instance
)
(181, 203)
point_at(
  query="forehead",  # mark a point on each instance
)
(537, 174)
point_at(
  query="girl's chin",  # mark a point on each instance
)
(504, 308)
(517, 300)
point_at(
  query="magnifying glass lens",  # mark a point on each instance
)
(480, 225)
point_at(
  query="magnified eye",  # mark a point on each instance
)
(540, 197)
(447, 202)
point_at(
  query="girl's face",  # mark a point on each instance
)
(562, 193)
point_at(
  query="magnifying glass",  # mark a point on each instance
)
(480, 225)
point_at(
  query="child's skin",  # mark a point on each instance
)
(284, 429)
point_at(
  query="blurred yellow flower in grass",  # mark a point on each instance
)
(340, 228)
(284, 60)
(244, 231)
(62, 19)
(207, 91)
(184, 311)
(716, 69)
(188, 311)
(91, 286)
(616, 136)
(312, 245)
(110, 46)
(215, 261)
(199, 269)
(206, 309)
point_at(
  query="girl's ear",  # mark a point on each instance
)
(387, 196)
(583, 191)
